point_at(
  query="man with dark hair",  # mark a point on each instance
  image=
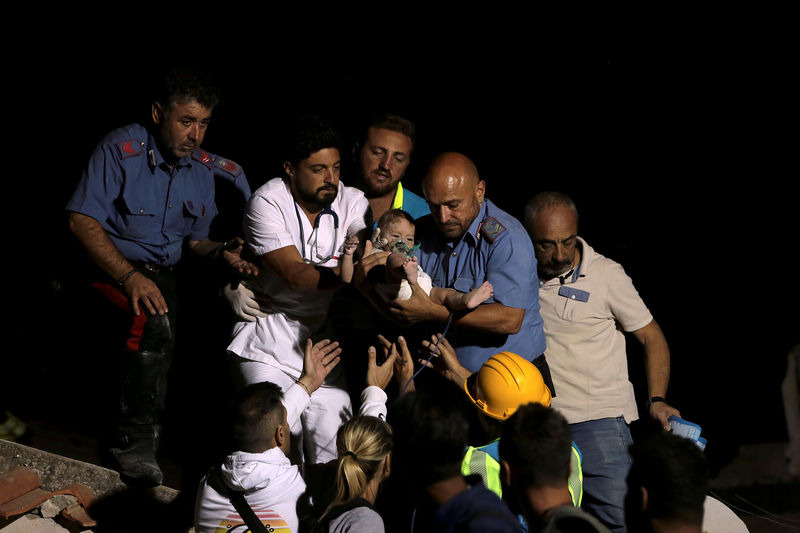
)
(431, 428)
(145, 192)
(666, 484)
(296, 226)
(587, 303)
(535, 458)
(383, 155)
(259, 469)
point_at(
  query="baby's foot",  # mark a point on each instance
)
(475, 297)
(410, 268)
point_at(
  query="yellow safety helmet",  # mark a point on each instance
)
(504, 383)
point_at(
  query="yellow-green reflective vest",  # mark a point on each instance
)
(483, 461)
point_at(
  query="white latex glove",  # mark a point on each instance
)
(243, 302)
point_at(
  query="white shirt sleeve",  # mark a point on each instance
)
(373, 402)
(267, 225)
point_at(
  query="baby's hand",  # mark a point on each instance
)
(350, 245)
(377, 241)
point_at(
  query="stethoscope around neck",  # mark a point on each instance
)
(325, 211)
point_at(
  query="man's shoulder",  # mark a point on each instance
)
(501, 224)
(596, 263)
(414, 204)
(126, 142)
(477, 509)
(271, 189)
(350, 195)
(568, 518)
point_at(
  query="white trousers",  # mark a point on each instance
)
(313, 436)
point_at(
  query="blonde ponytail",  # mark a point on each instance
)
(362, 444)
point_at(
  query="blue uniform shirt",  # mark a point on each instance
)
(497, 249)
(147, 208)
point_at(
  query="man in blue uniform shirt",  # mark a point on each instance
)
(143, 194)
(465, 241)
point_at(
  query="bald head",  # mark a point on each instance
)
(454, 192)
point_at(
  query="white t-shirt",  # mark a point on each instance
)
(273, 221)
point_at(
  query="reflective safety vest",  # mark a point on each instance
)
(485, 461)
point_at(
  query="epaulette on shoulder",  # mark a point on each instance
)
(204, 157)
(226, 165)
(491, 229)
(129, 148)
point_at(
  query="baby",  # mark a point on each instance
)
(395, 233)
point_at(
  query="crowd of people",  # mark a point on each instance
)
(512, 413)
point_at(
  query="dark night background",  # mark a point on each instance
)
(675, 143)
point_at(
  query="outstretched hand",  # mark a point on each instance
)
(443, 359)
(396, 362)
(232, 254)
(318, 361)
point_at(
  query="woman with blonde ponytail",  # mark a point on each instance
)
(364, 446)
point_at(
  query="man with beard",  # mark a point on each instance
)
(297, 225)
(383, 155)
(587, 301)
(146, 192)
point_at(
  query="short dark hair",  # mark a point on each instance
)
(309, 134)
(394, 214)
(537, 443)
(181, 84)
(431, 428)
(257, 411)
(396, 123)
(674, 472)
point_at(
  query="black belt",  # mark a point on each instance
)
(152, 267)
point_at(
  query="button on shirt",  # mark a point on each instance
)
(508, 264)
(145, 207)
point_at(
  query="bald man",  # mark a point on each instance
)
(465, 241)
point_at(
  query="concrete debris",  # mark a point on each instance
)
(30, 523)
(56, 504)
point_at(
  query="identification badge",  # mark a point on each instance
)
(573, 294)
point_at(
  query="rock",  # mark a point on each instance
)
(54, 505)
(30, 523)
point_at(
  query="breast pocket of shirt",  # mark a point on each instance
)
(574, 303)
(193, 211)
(140, 214)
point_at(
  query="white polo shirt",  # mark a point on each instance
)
(584, 320)
(273, 221)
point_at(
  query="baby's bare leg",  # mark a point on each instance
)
(461, 301)
(476, 297)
